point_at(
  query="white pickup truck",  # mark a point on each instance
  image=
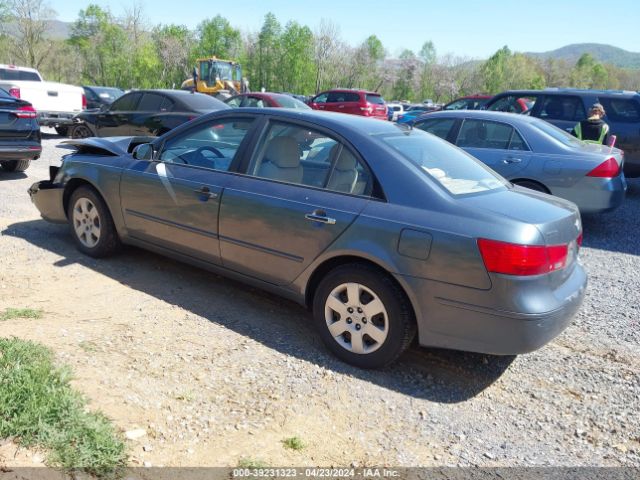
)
(56, 103)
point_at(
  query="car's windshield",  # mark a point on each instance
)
(458, 172)
(557, 133)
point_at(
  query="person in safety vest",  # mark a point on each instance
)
(593, 129)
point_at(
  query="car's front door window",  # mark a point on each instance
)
(212, 145)
(440, 127)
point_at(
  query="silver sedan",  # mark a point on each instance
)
(535, 154)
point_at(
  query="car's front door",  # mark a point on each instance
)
(496, 144)
(173, 201)
(302, 189)
(116, 120)
(145, 120)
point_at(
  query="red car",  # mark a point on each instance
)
(355, 102)
(265, 100)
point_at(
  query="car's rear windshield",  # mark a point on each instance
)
(458, 172)
(15, 74)
(557, 133)
(4, 93)
(289, 102)
(377, 99)
(108, 93)
(200, 101)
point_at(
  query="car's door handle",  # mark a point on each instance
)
(320, 216)
(512, 160)
(205, 191)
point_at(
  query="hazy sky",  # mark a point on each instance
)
(464, 27)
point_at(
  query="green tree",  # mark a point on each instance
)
(427, 56)
(101, 46)
(173, 46)
(31, 20)
(217, 37)
(269, 51)
(296, 61)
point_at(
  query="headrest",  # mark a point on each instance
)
(283, 152)
(346, 161)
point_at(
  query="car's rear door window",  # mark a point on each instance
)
(621, 109)
(562, 107)
(212, 145)
(299, 155)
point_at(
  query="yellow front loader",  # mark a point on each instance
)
(217, 77)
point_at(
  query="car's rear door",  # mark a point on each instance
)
(495, 144)
(173, 201)
(292, 203)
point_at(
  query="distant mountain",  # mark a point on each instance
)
(602, 53)
(57, 30)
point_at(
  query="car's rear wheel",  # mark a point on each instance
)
(81, 131)
(363, 316)
(531, 185)
(62, 131)
(91, 223)
(15, 165)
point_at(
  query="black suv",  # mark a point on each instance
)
(564, 107)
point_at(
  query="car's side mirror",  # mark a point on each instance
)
(143, 152)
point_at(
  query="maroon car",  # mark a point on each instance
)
(355, 102)
(265, 100)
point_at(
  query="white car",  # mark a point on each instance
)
(56, 103)
(397, 109)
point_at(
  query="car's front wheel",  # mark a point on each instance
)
(91, 223)
(363, 316)
(15, 165)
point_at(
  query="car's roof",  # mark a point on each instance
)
(513, 118)
(561, 91)
(328, 119)
(15, 67)
(354, 90)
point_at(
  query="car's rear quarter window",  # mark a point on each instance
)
(622, 109)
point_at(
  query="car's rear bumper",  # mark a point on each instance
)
(48, 198)
(19, 153)
(56, 119)
(595, 195)
(458, 318)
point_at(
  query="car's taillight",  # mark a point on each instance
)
(367, 110)
(579, 240)
(607, 169)
(14, 92)
(516, 259)
(84, 101)
(26, 111)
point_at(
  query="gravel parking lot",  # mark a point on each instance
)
(214, 371)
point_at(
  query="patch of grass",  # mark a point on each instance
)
(39, 408)
(11, 313)
(248, 462)
(87, 346)
(293, 443)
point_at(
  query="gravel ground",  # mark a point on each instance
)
(213, 371)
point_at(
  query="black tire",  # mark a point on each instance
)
(81, 131)
(15, 165)
(62, 131)
(107, 241)
(400, 318)
(531, 185)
